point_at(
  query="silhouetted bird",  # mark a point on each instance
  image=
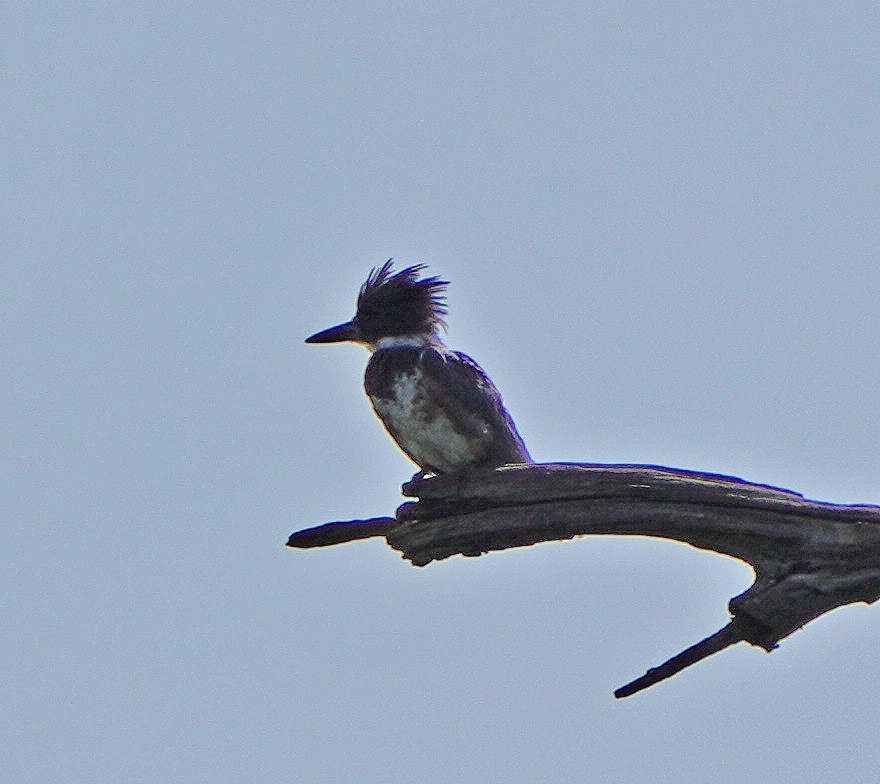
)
(437, 404)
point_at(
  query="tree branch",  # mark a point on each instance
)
(809, 557)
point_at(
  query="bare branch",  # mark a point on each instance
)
(728, 635)
(341, 532)
(809, 557)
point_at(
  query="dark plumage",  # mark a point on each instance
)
(439, 406)
(400, 304)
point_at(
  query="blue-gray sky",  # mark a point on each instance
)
(661, 227)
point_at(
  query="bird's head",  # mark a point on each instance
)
(398, 306)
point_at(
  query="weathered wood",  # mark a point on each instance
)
(809, 556)
(341, 532)
(735, 631)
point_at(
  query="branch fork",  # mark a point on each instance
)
(809, 557)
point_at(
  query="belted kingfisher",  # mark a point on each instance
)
(438, 405)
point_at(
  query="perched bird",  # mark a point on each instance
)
(439, 406)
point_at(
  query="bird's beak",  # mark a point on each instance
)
(337, 334)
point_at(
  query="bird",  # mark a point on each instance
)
(437, 404)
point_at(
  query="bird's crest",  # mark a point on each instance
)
(400, 303)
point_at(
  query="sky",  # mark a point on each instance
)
(660, 224)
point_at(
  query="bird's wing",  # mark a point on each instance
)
(471, 401)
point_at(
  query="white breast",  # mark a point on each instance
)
(425, 434)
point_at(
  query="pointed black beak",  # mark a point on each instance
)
(337, 334)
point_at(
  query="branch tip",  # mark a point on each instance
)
(729, 635)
